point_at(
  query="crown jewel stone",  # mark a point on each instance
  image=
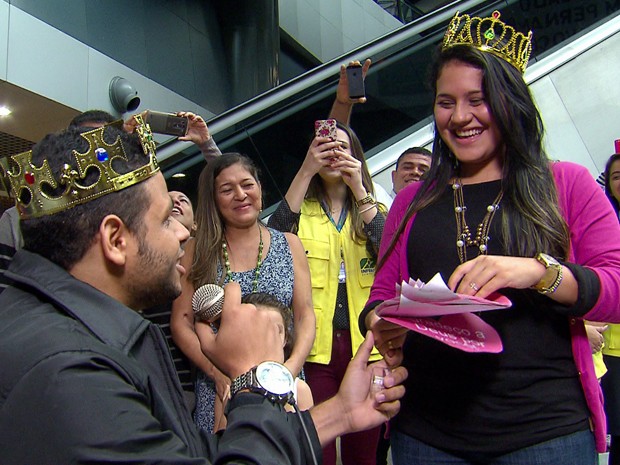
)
(102, 154)
(29, 177)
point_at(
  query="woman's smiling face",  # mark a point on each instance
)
(464, 120)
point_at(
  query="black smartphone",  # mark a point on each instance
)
(356, 81)
(167, 123)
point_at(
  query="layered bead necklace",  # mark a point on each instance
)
(259, 260)
(463, 233)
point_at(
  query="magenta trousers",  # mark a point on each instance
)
(324, 381)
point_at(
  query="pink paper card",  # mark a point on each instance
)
(458, 326)
(463, 331)
(417, 299)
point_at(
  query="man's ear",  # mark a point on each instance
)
(393, 174)
(114, 239)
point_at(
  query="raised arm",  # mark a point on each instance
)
(343, 105)
(320, 153)
(198, 133)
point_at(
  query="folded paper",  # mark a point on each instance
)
(418, 304)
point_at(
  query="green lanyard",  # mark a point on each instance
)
(341, 220)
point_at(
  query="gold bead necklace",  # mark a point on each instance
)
(259, 260)
(463, 233)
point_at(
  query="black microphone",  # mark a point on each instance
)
(208, 302)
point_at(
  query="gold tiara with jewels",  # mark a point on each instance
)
(490, 35)
(28, 182)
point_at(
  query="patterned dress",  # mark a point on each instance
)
(276, 278)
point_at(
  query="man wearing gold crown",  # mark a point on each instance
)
(85, 378)
(10, 234)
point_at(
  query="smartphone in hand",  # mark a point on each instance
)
(325, 128)
(167, 123)
(355, 79)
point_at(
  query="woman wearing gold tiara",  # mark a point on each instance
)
(539, 232)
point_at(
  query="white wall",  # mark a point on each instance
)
(330, 28)
(580, 103)
(40, 58)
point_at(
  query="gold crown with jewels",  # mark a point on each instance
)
(490, 35)
(27, 181)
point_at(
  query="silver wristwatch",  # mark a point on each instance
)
(271, 379)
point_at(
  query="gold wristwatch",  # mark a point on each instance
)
(366, 200)
(552, 278)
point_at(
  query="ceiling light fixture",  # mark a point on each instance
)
(5, 111)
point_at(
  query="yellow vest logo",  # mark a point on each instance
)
(367, 265)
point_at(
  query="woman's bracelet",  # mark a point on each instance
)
(366, 200)
(368, 208)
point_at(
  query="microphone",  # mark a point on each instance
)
(208, 302)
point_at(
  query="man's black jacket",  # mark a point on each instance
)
(84, 379)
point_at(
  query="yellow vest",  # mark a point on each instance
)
(612, 340)
(324, 247)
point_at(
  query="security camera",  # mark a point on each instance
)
(123, 95)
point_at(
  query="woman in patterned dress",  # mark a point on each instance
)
(232, 244)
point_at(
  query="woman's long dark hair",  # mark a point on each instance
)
(531, 219)
(316, 189)
(610, 196)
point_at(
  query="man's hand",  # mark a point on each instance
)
(245, 338)
(356, 407)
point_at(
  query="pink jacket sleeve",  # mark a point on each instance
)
(594, 234)
(394, 270)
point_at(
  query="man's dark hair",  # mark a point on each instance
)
(92, 116)
(419, 150)
(64, 237)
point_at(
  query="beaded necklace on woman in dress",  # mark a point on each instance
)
(463, 233)
(259, 260)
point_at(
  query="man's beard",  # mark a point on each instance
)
(160, 285)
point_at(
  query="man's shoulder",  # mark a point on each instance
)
(38, 340)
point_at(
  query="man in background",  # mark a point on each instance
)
(411, 166)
